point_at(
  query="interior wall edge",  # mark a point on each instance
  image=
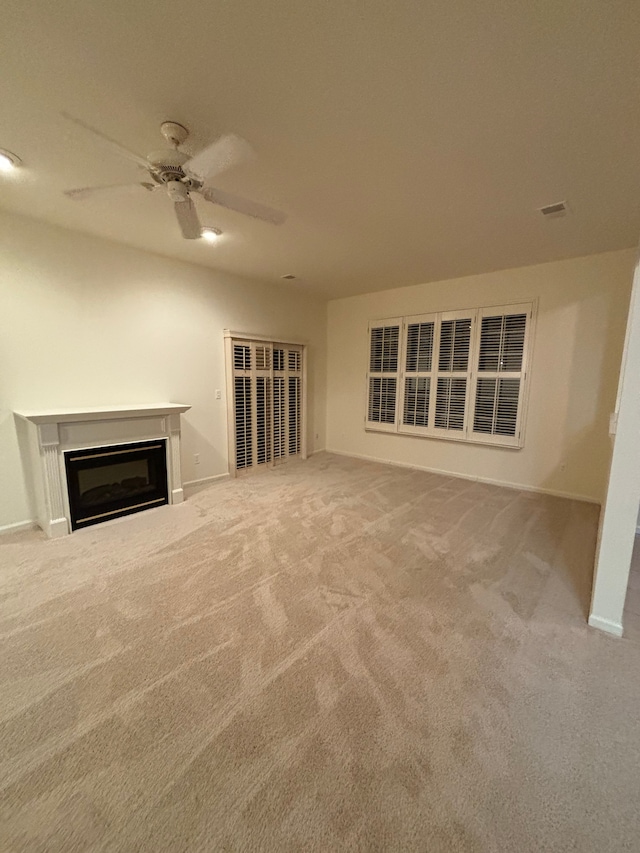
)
(606, 625)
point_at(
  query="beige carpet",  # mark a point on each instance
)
(334, 656)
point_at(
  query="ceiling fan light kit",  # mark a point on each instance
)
(182, 175)
(210, 234)
(9, 161)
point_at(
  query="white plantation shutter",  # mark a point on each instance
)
(242, 410)
(294, 401)
(267, 422)
(242, 356)
(263, 419)
(500, 377)
(287, 401)
(452, 379)
(383, 373)
(459, 375)
(418, 375)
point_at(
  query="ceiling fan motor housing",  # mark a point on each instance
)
(177, 191)
(167, 164)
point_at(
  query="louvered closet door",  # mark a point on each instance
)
(287, 401)
(242, 405)
(267, 403)
(263, 403)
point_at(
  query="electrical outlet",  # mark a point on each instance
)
(196, 458)
(218, 394)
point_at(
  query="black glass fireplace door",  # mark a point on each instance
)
(107, 482)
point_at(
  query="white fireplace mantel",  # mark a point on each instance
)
(53, 432)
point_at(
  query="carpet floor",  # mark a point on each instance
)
(333, 656)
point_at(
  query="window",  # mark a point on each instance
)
(459, 375)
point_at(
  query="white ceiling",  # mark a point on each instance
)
(408, 140)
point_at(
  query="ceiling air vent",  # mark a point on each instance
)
(554, 210)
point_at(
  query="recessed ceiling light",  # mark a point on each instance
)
(288, 277)
(8, 161)
(211, 234)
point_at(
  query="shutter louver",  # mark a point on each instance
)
(496, 411)
(419, 347)
(242, 357)
(294, 360)
(263, 358)
(244, 454)
(417, 391)
(451, 399)
(382, 400)
(278, 359)
(279, 415)
(502, 343)
(455, 341)
(384, 349)
(294, 413)
(263, 420)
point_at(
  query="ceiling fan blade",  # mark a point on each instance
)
(188, 221)
(115, 146)
(244, 205)
(222, 154)
(84, 193)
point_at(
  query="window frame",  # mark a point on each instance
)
(472, 374)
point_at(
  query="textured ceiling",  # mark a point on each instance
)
(407, 141)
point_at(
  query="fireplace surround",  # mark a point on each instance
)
(93, 464)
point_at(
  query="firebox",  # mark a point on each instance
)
(108, 482)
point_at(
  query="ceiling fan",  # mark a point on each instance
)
(180, 175)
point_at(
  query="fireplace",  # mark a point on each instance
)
(107, 482)
(87, 465)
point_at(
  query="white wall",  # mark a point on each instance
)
(582, 310)
(620, 513)
(88, 322)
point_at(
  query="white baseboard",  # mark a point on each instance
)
(607, 625)
(31, 524)
(204, 480)
(319, 450)
(473, 478)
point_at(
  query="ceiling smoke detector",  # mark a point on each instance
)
(553, 211)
